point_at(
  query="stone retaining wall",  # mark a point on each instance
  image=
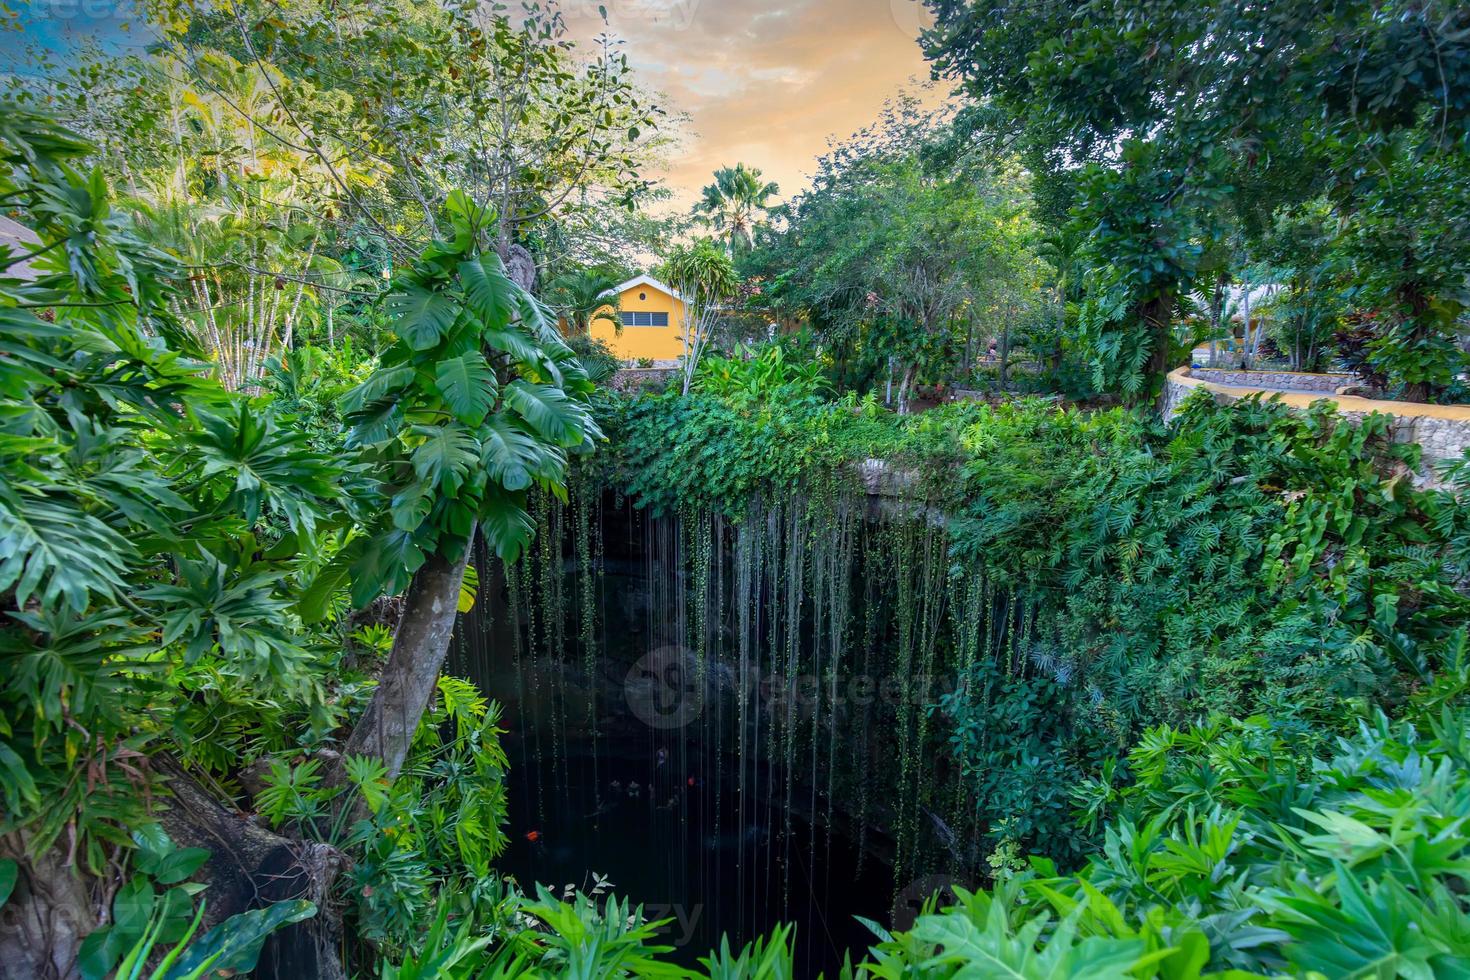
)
(1325, 383)
(628, 380)
(1441, 431)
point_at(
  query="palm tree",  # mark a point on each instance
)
(584, 297)
(735, 201)
(705, 279)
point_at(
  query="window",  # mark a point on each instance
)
(631, 319)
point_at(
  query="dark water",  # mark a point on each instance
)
(745, 814)
(670, 827)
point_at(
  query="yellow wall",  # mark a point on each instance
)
(655, 343)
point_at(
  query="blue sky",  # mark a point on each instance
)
(59, 26)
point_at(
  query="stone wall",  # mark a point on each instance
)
(1441, 431)
(628, 380)
(1294, 380)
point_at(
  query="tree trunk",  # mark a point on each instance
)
(1217, 314)
(903, 390)
(1005, 351)
(1248, 359)
(54, 905)
(48, 915)
(250, 867)
(421, 641)
(1155, 315)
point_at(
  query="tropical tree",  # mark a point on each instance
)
(898, 255)
(705, 279)
(585, 297)
(1227, 107)
(154, 531)
(478, 401)
(212, 181)
(736, 201)
(497, 104)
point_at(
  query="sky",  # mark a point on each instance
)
(763, 82)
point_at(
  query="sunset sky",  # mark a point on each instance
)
(766, 82)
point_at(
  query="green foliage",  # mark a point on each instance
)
(436, 830)
(904, 255)
(155, 524)
(585, 297)
(1144, 228)
(736, 200)
(764, 374)
(477, 400)
(702, 273)
(1222, 112)
(1243, 559)
(670, 451)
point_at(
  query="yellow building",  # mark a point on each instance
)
(652, 317)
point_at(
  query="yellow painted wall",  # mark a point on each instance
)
(655, 343)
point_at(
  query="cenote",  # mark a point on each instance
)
(717, 715)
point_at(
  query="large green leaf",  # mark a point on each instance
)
(489, 292)
(9, 871)
(422, 316)
(315, 601)
(512, 341)
(446, 456)
(505, 524)
(411, 505)
(234, 945)
(376, 423)
(1367, 933)
(468, 386)
(549, 412)
(58, 553)
(385, 564)
(513, 457)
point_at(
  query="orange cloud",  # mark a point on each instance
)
(765, 82)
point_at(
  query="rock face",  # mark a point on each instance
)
(1442, 432)
(629, 380)
(521, 266)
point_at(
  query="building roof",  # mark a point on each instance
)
(644, 280)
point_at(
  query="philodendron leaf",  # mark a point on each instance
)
(468, 386)
(233, 946)
(469, 588)
(512, 456)
(489, 291)
(445, 457)
(504, 522)
(422, 316)
(548, 412)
